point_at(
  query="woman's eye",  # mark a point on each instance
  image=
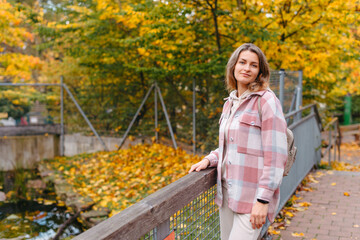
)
(255, 66)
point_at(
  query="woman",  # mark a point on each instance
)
(252, 150)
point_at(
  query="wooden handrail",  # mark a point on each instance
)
(330, 123)
(140, 218)
(336, 141)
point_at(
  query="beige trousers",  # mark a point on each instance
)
(235, 226)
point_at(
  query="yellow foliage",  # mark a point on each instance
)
(305, 204)
(120, 178)
(342, 166)
(295, 234)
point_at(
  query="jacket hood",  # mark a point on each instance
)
(248, 94)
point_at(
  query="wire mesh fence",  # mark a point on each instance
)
(111, 109)
(291, 81)
(197, 220)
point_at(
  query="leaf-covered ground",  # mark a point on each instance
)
(121, 178)
(350, 161)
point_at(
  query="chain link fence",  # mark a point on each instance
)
(197, 220)
(110, 109)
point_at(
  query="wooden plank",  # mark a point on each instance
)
(350, 127)
(349, 133)
(140, 218)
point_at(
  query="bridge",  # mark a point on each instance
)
(185, 209)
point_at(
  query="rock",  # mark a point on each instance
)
(94, 214)
(46, 173)
(2, 196)
(12, 217)
(37, 184)
(63, 188)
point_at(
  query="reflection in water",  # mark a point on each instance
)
(31, 210)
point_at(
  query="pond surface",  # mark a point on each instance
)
(31, 210)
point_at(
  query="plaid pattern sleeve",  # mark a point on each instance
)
(213, 157)
(274, 143)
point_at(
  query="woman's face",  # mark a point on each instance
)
(246, 69)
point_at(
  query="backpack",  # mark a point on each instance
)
(290, 145)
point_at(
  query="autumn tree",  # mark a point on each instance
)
(110, 52)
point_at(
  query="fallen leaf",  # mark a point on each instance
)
(295, 234)
(346, 194)
(289, 214)
(356, 226)
(307, 189)
(14, 228)
(333, 184)
(278, 225)
(48, 202)
(274, 232)
(334, 213)
(305, 204)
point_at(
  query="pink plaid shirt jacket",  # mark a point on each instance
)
(256, 153)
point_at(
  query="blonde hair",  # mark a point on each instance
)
(262, 80)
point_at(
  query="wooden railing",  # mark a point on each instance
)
(154, 210)
(351, 130)
(152, 218)
(334, 140)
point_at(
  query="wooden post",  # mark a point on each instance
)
(162, 230)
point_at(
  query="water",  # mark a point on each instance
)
(31, 209)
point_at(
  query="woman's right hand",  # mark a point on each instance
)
(203, 164)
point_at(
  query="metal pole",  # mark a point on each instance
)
(62, 136)
(156, 116)
(282, 82)
(299, 95)
(134, 118)
(194, 116)
(297, 106)
(300, 86)
(293, 100)
(167, 117)
(84, 116)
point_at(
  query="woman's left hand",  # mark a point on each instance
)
(258, 214)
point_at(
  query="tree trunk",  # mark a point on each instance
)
(217, 34)
(214, 14)
(239, 4)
